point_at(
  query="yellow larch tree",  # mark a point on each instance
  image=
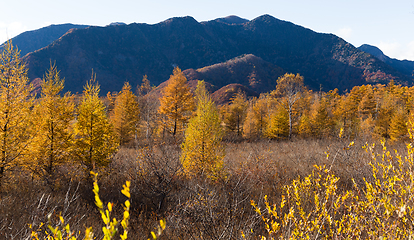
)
(398, 125)
(148, 104)
(368, 105)
(202, 150)
(95, 139)
(386, 109)
(176, 104)
(15, 104)
(321, 121)
(304, 128)
(52, 118)
(278, 126)
(346, 111)
(257, 117)
(235, 113)
(125, 115)
(305, 125)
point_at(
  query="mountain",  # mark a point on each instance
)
(232, 20)
(116, 23)
(404, 66)
(120, 53)
(31, 41)
(246, 73)
(247, 70)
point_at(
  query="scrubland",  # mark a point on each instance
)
(196, 208)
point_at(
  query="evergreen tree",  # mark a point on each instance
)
(125, 116)
(15, 104)
(202, 151)
(53, 115)
(176, 104)
(95, 140)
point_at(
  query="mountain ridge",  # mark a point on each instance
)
(127, 52)
(404, 66)
(33, 40)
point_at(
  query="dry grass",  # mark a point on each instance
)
(194, 208)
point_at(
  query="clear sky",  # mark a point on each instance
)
(387, 24)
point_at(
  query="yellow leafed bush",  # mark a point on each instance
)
(380, 207)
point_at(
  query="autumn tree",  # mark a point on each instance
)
(289, 88)
(125, 115)
(202, 150)
(148, 107)
(145, 86)
(386, 108)
(235, 113)
(95, 140)
(15, 104)
(53, 115)
(305, 126)
(176, 104)
(346, 111)
(368, 105)
(278, 126)
(257, 116)
(304, 108)
(398, 125)
(321, 120)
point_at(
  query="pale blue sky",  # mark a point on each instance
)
(386, 24)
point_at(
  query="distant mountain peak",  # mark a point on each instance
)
(116, 24)
(265, 18)
(405, 66)
(185, 19)
(232, 19)
(373, 51)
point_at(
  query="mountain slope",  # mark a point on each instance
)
(232, 20)
(126, 52)
(31, 41)
(404, 66)
(248, 70)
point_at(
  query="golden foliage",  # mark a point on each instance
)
(257, 117)
(278, 126)
(289, 89)
(176, 104)
(15, 104)
(235, 113)
(95, 140)
(314, 208)
(125, 116)
(202, 151)
(52, 116)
